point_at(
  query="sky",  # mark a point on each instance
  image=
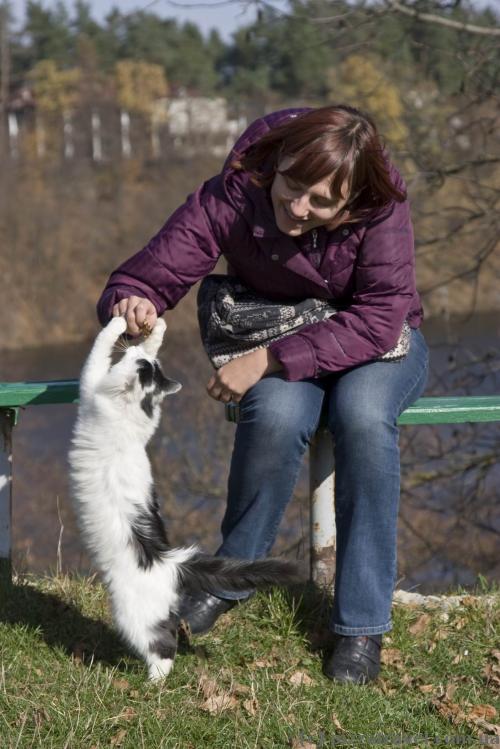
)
(224, 15)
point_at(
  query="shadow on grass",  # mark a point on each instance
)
(62, 625)
(312, 606)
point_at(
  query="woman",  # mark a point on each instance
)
(307, 205)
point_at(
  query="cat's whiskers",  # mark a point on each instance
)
(121, 345)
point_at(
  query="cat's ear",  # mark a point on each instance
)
(152, 344)
(171, 386)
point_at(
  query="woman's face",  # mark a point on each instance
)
(298, 208)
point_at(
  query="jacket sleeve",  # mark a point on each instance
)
(182, 252)
(371, 324)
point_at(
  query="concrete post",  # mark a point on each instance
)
(322, 493)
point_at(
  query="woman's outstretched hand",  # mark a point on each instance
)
(136, 311)
(231, 381)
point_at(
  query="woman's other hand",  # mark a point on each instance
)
(137, 311)
(231, 382)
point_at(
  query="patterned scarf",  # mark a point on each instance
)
(235, 321)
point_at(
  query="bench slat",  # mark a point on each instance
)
(38, 393)
(452, 410)
(446, 410)
(437, 410)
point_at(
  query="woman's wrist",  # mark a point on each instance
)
(273, 365)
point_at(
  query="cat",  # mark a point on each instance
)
(115, 503)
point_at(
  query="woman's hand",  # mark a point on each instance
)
(136, 311)
(231, 382)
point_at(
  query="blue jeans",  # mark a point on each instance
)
(277, 420)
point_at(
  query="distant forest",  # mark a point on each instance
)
(298, 53)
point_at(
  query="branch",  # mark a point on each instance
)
(431, 18)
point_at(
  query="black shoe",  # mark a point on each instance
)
(354, 659)
(201, 610)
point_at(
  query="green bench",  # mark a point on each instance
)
(452, 410)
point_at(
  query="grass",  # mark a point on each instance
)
(66, 680)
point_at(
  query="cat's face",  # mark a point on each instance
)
(144, 382)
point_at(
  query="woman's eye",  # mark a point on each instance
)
(322, 202)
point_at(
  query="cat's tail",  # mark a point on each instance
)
(212, 574)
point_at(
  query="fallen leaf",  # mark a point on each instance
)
(450, 710)
(469, 601)
(208, 686)
(238, 688)
(118, 738)
(427, 688)
(483, 711)
(336, 722)
(302, 744)
(300, 678)
(450, 691)
(383, 686)
(128, 713)
(219, 702)
(251, 706)
(491, 673)
(262, 663)
(420, 625)
(392, 657)
(493, 728)
(407, 680)
(441, 634)
(121, 684)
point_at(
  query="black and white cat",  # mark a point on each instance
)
(114, 498)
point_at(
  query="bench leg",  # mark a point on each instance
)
(7, 420)
(323, 532)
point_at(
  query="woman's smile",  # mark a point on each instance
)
(298, 208)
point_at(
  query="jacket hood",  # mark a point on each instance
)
(247, 198)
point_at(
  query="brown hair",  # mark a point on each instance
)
(337, 140)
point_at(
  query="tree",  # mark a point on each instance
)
(55, 90)
(362, 82)
(50, 34)
(139, 84)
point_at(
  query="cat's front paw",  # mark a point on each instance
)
(160, 326)
(117, 326)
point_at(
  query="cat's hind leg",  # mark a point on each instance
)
(162, 648)
(98, 361)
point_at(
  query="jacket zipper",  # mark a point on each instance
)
(315, 238)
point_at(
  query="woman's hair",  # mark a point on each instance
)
(337, 140)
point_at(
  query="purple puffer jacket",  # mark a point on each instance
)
(368, 268)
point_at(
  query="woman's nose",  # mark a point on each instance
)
(300, 206)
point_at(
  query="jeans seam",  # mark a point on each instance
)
(414, 382)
